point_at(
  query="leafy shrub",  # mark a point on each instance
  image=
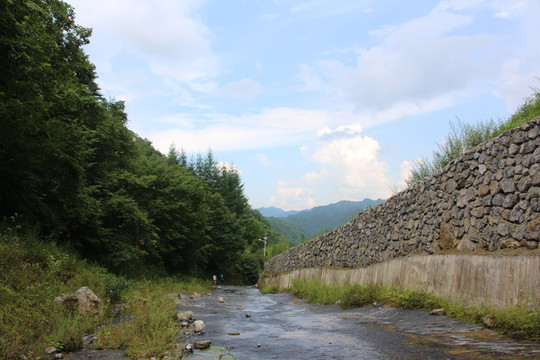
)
(248, 268)
(115, 286)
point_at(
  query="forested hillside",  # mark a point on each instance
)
(72, 171)
(309, 223)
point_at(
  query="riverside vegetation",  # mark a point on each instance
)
(520, 323)
(34, 272)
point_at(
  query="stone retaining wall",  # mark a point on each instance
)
(488, 199)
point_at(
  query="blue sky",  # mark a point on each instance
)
(313, 101)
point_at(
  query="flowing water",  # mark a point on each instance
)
(280, 326)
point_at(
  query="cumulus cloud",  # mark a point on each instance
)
(522, 72)
(353, 160)
(300, 193)
(503, 8)
(349, 164)
(293, 197)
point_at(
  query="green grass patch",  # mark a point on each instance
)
(518, 322)
(269, 289)
(152, 330)
(35, 272)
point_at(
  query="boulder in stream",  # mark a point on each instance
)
(198, 326)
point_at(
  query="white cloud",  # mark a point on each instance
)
(244, 88)
(406, 168)
(291, 197)
(269, 128)
(353, 161)
(409, 68)
(350, 169)
(310, 80)
(330, 7)
(515, 84)
(503, 8)
(269, 16)
(263, 159)
(430, 63)
(521, 70)
(510, 9)
(165, 33)
(224, 166)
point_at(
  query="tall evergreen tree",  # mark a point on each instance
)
(47, 105)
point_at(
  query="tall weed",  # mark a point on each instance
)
(151, 330)
(463, 137)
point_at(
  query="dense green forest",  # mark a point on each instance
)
(304, 225)
(73, 173)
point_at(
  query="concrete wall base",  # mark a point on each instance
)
(476, 280)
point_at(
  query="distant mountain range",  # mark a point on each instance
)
(301, 225)
(277, 212)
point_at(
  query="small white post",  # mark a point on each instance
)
(264, 241)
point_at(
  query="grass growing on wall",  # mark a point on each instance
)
(463, 137)
(518, 322)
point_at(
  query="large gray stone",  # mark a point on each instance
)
(84, 301)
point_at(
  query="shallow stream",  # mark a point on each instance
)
(280, 326)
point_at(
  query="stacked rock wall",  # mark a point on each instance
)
(488, 199)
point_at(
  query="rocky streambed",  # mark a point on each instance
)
(249, 325)
(240, 323)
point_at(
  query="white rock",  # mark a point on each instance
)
(198, 326)
(184, 316)
(438, 312)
